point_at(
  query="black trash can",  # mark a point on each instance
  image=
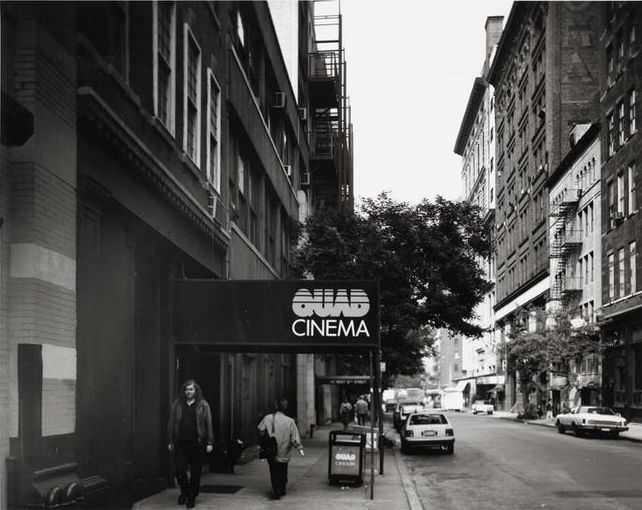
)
(346, 457)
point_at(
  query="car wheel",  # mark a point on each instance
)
(404, 447)
(577, 431)
(450, 449)
(490, 412)
(560, 427)
(615, 434)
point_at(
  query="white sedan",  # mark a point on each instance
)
(427, 430)
(585, 419)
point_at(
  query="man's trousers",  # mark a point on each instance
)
(278, 476)
(189, 456)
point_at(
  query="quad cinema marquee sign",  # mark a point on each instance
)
(330, 312)
(264, 315)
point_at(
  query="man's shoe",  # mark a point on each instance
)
(191, 501)
(181, 499)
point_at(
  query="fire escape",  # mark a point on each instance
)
(564, 242)
(330, 135)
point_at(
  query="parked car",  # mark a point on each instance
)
(481, 406)
(404, 409)
(587, 419)
(427, 430)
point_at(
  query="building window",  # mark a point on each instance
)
(240, 30)
(632, 177)
(213, 131)
(165, 63)
(611, 261)
(592, 214)
(632, 37)
(192, 97)
(610, 63)
(620, 272)
(610, 134)
(620, 194)
(632, 112)
(612, 200)
(620, 124)
(592, 258)
(620, 51)
(632, 268)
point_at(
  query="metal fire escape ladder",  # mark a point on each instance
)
(564, 241)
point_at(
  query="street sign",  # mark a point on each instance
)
(278, 315)
(343, 379)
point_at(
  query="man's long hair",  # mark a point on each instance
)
(198, 395)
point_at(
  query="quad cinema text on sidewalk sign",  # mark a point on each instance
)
(278, 315)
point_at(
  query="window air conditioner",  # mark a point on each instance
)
(288, 170)
(305, 179)
(303, 114)
(279, 100)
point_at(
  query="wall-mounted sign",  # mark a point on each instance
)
(277, 315)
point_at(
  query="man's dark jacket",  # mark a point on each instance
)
(203, 421)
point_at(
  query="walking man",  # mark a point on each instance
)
(284, 429)
(190, 436)
(549, 411)
(345, 412)
(362, 410)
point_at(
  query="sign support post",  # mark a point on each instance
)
(372, 441)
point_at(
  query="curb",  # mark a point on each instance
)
(414, 502)
(552, 426)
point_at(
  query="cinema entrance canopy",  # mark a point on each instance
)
(306, 316)
(278, 315)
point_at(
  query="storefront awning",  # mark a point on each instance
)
(461, 386)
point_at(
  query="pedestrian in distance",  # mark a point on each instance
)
(284, 429)
(189, 436)
(549, 411)
(361, 407)
(345, 412)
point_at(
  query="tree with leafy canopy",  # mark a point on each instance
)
(425, 258)
(564, 342)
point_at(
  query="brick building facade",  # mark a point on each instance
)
(620, 85)
(169, 141)
(545, 80)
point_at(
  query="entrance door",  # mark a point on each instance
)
(205, 369)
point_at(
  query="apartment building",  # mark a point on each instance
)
(476, 145)
(575, 252)
(150, 142)
(545, 78)
(620, 85)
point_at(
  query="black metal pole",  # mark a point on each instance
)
(379, 403)
(372, 442)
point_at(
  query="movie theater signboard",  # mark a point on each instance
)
(267, 315)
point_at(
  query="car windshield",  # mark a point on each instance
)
(599, 410)
(411, 404)
(428, 419)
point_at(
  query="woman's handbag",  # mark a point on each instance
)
(268, 443)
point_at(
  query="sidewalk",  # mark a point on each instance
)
(633, 434)
(308, 488)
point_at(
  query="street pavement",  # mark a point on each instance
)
(505, 464)
(308, 486)
(633, 434)
(499, 463)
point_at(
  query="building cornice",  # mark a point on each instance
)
(573, 155)
(505, 46)
(474, 100)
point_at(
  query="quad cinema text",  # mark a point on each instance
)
(330, 313)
